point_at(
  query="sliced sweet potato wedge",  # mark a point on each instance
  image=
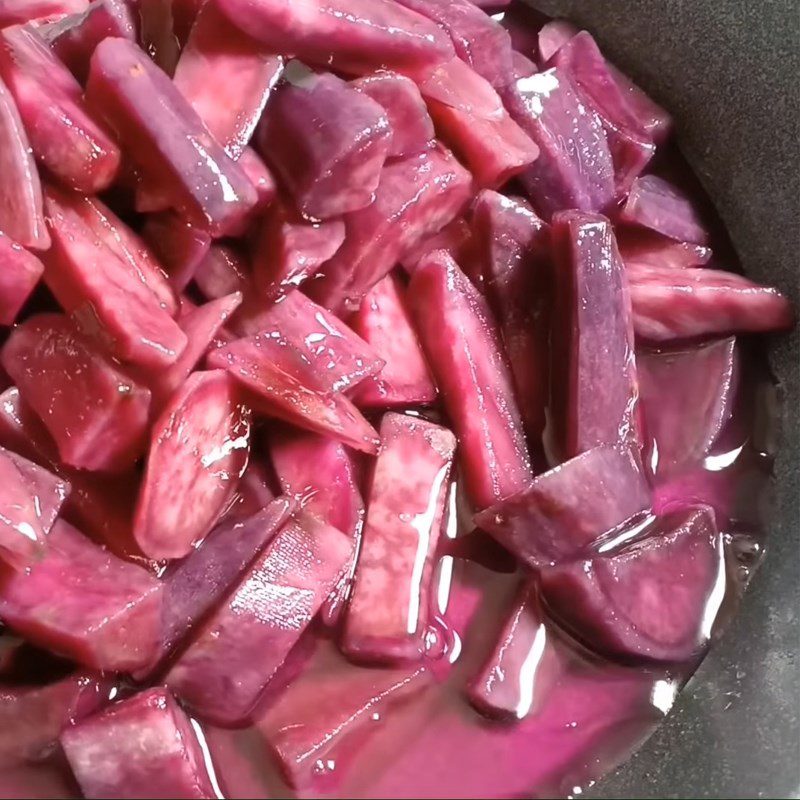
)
(641, 248)
(20, 272)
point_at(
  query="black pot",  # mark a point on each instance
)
(728, 73)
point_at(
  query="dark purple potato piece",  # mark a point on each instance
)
(455, 238)
(641, 248)
(411, 125)
(20, 272)
(383, 321)
(512, 246)
(389, 608)
(222, 674)
(594, 366)
(166, 138)
(197, 583)
(463, 346)
(198, 451)
(326, 140)
(687, 397)
(416, 198)
(654, 600)
(671, 304)
(574, 168)
(13, 12)
(21, 213)
(96, 414)
(563, 511)
(81, 602)
(354, 36)
(30, 500)
(180, 246)
(657, 205)
(63, 135)
(140, 747)
(221, 272)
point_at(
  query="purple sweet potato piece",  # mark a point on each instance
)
(84, 603)
(687, 396)
(416, 198)
(643, 248)
(389, 608)
(260, 176)
(563, 511)
(198, 452)
(326, 140)
(596, 384)
(383, 321)
(20, 272)
(141, 747)
(21, 213)
(254, 492)
(683, 303)
(62, 134)
(412, 127)
(166, 138)
(31, 500)
(221, 272)
(227, 77)
(463, 347)
(180, 246)
(655, 599)
(553, 36)
(13, 12)
(225, 670)
(96, 414)
(355, 36)
(455, 238)
(657, 205)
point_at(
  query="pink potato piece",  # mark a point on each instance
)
(227, 667)
(383, 321)
(326, 140)
(389, 608)
(554, 35)
(565, 510)
(140, 747)
(20, 272)
(31, 500)
(63, 135)
(21, 212)
(222, 271)
(198, 452)
(687, 396)
(354, 36)
(96, 414)
(654, 600)
(227, 77)
(673, 304)
(657, 205)
(411, 125)
(290, 250)
(641, 248)
(166, 138)
(462, 343)
(416, 198)
(180, 246)
(597, 384)
(13, 12)
(83, 603)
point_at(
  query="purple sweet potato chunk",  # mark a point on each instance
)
(166, 138)
(20, 272)
(687, 397)
(254, 492)
(13, 12)
(96, 414)
(225, 670)
(654, 600)
(597, 382)
(411, 125)
(389, 608)
(657, 205)
(31, 500)
(227, 77)
(198, 452)
(141, 747)
(83, 603)
(673, 304)
(326, 140)
(553, 36)
(63, 135)
(180, 246)
(641, 248)
(461, 341)
(416, 198)
(355, 36)
(574, 168)
(260, 176)
(563, 511)
(456, 238)
(21, 213)
(221, 272)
